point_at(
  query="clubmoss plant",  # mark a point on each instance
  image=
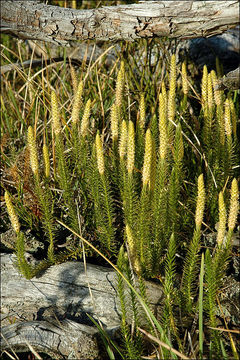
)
(130, 148)
(74, 79)
(218, 94)
(185, 85)
(44, 196)
(234, 206)
(33, 152)
(204, 89)
(210, 97)
(229, 145)
(46, 161)
(123, 140)
(234, 119)
(23, 265)
(169, 286)
(122, 175)
(130, 343)
(146, 172)
(133, 250)
(100, 156)
(192, 257)
(144, 223)
(103, 202)
(142, 112)
(128, 179)
(114, 124)
(12, 213)
(227, 118)
(163, 141)
(172, 89)
(176, 178)
(85, 119)
(56, 125)
(64, 176)
(222, 220)
(120, 86)
(217, 263)
(77, 103)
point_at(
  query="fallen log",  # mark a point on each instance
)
(67, 339)
(49, 312)
(147, 19)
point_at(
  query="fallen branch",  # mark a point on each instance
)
(34, 63)
(67, 339)
(147, 19)
(230, 81)
(67, 293)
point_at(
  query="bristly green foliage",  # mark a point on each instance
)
(169, 288)
(189, 283)
(217, 263)
(46, 206)
(200, 308)
(175, 182)
(122, 160)
(131, 344)
(23, 265)
(190, 268)
(212, 284)
(63, 175)
(103, 203)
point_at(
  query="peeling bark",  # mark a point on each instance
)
(174, 19)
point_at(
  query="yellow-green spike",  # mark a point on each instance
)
(200, 202)
(33, 151)
(12, 213)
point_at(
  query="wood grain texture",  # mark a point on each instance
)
(147, 19)
(230, 81)
(67, 293)
(67, 339)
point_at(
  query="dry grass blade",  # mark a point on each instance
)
(16, 357)
(233, 346)
(159, 342)
(96, 61)
(11, 357)
(199, 152)
(226, 330)
(33, 351)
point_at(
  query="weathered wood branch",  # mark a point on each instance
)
(230, 81)
(67, 339)
(35, 63)
(174, 19)
(67, 293)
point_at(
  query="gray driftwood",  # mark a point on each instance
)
(34, 63)
(50, 311)
(230, 81)
(147, 19)
(67, 339)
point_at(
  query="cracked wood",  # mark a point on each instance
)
(175, 19)
(29, 308)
